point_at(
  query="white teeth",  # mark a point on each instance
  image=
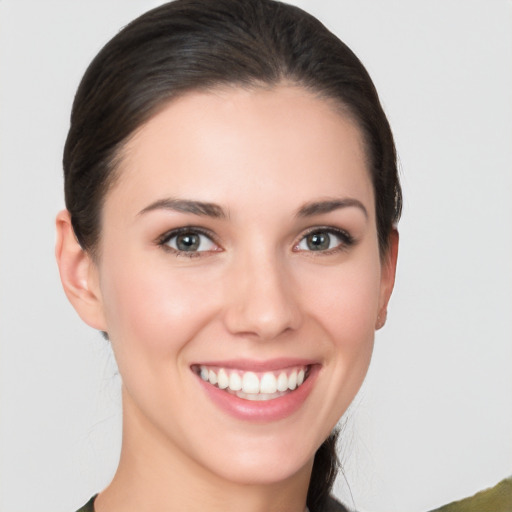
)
(268, 383)
(235, 382)
(250, 383)
(212, 377)
(282, 382)
(258, 397)
(223, 379)
(292, 380)
(253, 386)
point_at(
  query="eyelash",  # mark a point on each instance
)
(164, 240)
(346, 240)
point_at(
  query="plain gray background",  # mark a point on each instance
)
(433, 422)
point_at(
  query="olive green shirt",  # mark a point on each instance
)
(497, 499)
(332, 506)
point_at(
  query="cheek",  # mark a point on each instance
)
(152, 308)
(345, 300)
(345, 305)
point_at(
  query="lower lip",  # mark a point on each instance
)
(266, 410)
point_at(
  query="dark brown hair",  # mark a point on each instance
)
(191, 45)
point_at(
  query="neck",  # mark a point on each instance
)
(153, 475)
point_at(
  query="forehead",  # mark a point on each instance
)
(234, 143)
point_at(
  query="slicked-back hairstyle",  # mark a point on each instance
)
(194, 45)
(199, 44)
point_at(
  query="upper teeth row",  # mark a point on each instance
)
(250, 382)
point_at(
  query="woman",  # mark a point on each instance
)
(232, 194)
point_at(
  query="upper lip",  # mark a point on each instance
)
(257, 365)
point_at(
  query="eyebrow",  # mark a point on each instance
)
(216, 211)
(187, 206)
(330, 205)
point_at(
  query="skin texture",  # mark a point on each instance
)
(256, 292)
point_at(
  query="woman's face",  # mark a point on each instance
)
(239, 250)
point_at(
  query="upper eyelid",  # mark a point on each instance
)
(329, 229)
(165, 237)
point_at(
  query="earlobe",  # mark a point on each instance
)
(387, 281)
(78, 274)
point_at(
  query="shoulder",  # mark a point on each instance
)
(497, 499)
(88, 507)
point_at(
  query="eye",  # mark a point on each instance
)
(324, 240)
(188, 240)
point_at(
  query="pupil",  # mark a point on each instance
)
(318, 241)
(187, 242)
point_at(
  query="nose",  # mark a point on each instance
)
(261, 299)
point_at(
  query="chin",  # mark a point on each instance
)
(264, 471)
(260, 460)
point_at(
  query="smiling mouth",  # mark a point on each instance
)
(256, 386)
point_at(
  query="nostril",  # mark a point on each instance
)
(265, 324)
(260, 301)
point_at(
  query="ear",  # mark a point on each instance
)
(387, 279)
(78, 274)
